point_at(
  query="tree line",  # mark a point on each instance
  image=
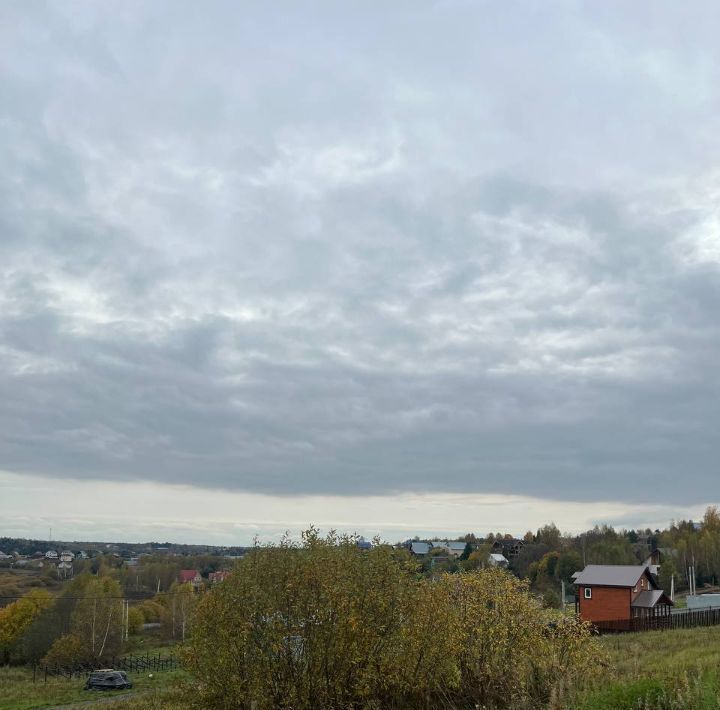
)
(88, 622)
(549, 557)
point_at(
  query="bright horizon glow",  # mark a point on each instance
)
(141, 511)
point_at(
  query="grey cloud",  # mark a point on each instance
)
(310, 256)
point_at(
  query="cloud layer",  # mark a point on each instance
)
(359, 250)
(189, 514)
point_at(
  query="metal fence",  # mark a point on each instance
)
(148, 662)
(130, 664)
(678, 620)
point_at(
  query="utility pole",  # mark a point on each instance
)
(691, 580)
(125, 619)
(694, 579)
(693, 573)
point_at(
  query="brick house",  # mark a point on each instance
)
(619, 592)
(191, 576)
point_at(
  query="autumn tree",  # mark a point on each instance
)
(603, 545)
(98, 617)
(549, 535)
(94, 631)
(478, 558)
(153, 611)
(17, 617)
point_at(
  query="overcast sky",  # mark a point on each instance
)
(326, 258)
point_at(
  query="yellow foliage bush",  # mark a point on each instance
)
(17, 617)
(327, 625)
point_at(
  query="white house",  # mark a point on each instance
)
(495, 559)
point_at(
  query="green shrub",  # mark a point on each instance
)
(135, 620)
(152, 611)
(68, 650)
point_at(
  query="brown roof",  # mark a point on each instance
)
(611, 575)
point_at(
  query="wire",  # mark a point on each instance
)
(147, 599)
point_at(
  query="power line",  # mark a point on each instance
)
(147, 599)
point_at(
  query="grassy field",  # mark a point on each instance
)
(659, 670)
(19, 692)
(16, 582)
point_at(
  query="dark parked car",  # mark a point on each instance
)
(108, 679)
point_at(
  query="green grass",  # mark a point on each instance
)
(662, 653)
(142, 645)
(659, 670)
(18, 692)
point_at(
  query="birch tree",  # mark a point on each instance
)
(97, 620)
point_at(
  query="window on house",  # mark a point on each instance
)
(635, 589)
(588, 593)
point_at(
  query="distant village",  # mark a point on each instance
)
(603, 575)
(63, 559)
